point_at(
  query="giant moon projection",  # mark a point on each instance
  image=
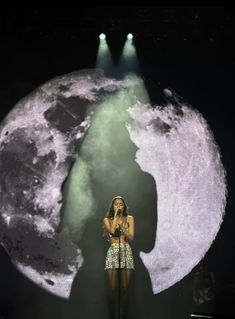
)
(39, 142)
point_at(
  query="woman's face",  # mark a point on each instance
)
(118, 204)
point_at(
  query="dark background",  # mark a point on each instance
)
(187, 48)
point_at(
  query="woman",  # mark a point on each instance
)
(119, 227)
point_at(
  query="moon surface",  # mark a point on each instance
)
(178, 149)
(39, 142)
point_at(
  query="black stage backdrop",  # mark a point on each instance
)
(187, 48)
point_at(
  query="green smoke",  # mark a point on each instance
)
(105, 157)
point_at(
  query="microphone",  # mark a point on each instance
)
(118, 212)
(119, 230)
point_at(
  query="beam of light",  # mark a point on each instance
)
(104, 59)
(107, 145)
(128, 62)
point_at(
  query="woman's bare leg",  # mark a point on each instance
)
(125, 280)
(112, 275)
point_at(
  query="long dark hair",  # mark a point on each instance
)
(110, 212)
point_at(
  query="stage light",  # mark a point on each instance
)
(104, 59)
(102, 36)
(130, 36)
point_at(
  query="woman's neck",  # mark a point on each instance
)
(121, 216)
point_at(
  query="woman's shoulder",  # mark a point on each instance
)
(130, 217)
(107, 219)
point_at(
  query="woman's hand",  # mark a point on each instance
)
(119, 222)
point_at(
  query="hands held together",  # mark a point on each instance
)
(120, 223)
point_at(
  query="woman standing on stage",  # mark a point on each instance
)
(119, 227)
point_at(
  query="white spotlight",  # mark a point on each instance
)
(130, 36)
(102, 36)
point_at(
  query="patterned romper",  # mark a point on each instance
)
(126, 257)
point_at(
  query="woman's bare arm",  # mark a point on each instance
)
(110, 227)
(129, 234)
